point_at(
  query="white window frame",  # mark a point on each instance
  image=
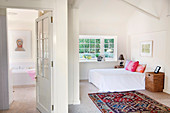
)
(101, 37)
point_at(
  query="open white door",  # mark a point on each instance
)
(44, 95)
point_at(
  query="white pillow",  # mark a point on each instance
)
(127, 62)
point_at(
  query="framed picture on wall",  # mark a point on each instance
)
(146, 48)
(20, 44)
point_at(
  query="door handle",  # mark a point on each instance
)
(36, 78)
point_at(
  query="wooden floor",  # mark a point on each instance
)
(24, 101)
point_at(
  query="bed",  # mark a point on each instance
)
(115, 80)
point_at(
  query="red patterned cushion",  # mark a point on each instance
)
(141, 68)
(132, 66)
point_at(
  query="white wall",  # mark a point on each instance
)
(104, 17)
(159, 49)
(142, 27)
(73, 56)
(23, 20)
(60, 53)
(4, 100)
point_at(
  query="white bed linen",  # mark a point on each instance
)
(116, 80)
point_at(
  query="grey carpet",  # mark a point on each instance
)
(87, 105)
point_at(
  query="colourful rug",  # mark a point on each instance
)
(127, 102)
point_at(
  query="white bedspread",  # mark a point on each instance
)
(116, 80)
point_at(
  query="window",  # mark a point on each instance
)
(90, 47)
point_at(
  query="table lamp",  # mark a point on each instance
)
(121, 58)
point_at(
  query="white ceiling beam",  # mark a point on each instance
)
(141, 10)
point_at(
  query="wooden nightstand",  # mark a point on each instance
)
(154, 82)
(118, 66)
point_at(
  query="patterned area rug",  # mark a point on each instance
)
(127, 102)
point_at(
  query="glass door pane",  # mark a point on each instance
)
(40, 49)
(43, 48)
(39, 39)
(46, 46)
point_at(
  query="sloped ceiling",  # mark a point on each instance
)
(153, 7)
(116, 10)
(105, 11)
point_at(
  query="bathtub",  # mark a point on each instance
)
(22, 77)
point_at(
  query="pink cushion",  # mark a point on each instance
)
(132, 66)
(141, 68)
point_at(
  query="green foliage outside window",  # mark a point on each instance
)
(91, 48)
(109, 48)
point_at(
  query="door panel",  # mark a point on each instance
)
(44, 59)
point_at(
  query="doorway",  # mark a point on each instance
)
(25, 64)
(21, 31)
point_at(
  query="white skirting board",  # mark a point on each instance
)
(166, 91)
(72, 102)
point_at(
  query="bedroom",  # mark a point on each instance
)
(136, 22)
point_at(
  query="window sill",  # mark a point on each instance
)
(95, 61)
